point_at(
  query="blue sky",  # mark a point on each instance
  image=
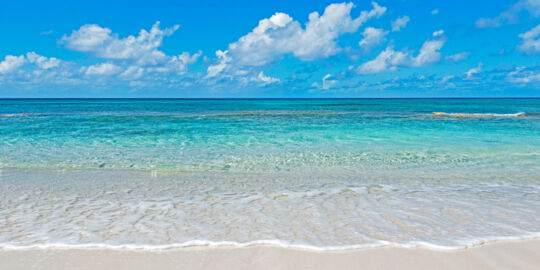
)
(410, 48)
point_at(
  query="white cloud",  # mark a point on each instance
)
(400, 23)
(523, 75)
(438, 33)
(530, 43)
(101, 42)
(511, 14)
(89, 38)
(469, 75)
(270, 39)
(136, 59)
(103, 69)
(132, 57)
(34, 69)
(42, 61)
(387, 60)
(180, 63)
(266, 79)
(327, 82)
(11, 63)
(318, 38)
(280, 34)
(372, 37)
(457, 57)
(390, 60)
(429, 53)
(434, 12)
(41, 70)
(223, 62)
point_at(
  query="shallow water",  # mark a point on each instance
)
(313, 173)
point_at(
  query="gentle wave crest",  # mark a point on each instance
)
(465, 115)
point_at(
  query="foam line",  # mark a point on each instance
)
(275, 243)
(519, 114)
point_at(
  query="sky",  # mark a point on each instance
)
(281, 49)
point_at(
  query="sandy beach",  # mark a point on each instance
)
(522, 254)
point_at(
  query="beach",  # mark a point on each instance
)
(521, 254)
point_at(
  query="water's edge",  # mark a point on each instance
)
(274, 243)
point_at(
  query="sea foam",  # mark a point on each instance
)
(136, 211)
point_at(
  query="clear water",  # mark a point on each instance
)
(314, 173)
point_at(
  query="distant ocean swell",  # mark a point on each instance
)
(278, 113)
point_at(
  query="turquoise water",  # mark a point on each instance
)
(319, 173)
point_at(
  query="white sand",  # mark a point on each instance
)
(524, 254)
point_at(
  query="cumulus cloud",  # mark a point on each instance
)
(372, 37)
(530, 43)
(42, 61)
(280, 34)
(457, 57)
(32, 68)
(136, 59)
(11, 63)
(429, 53)
(511, 14)
(390, 60)
(387, 60)
(101, 42)
(131, 57)
(400, 23)
(434, 12)
(180, 63)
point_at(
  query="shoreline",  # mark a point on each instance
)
(277, 244)
(501, 254)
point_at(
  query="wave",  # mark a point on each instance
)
(464, 244)
(18, 115)
(272, 113)
(266, 113)
(466, 115)
(216, 114)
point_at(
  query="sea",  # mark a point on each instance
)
(323, 174)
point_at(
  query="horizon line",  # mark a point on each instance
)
(248, 98)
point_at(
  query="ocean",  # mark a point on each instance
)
(311, 173)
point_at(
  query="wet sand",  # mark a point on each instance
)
(519, 254)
